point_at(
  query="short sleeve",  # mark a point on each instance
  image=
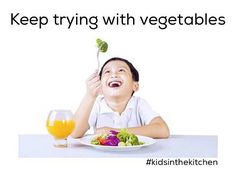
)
(94, 115)
(146, 113)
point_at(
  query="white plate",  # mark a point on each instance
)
(86, 140)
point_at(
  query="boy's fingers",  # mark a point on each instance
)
(96, 84)
(93, 81)
(91, 77)
(96, 79)
(95, 73)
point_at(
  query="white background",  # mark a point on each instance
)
(187, 73)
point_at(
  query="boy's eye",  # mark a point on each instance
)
(121, 70)
(106, 71)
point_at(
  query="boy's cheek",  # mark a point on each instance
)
(103, 85)
(103, 81)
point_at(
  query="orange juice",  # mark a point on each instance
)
(60, 129)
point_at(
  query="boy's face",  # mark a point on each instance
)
(117, 81)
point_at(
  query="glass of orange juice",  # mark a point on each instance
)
(60, 124)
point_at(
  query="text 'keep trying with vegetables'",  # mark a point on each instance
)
(93, 22)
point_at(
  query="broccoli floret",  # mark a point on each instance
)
(123, 135)
(128, 138)
(102, 47)
(95, 141)
(133, 139)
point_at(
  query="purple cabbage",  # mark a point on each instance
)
(114, 132)
(112, 141)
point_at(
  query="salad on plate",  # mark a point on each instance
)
(115, 138)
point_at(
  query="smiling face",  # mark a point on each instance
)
(117, 80)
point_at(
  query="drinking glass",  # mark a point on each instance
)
(60, 124)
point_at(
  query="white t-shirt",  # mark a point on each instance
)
(137, 113)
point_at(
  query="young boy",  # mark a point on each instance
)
(117, 108)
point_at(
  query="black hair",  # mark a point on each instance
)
(134, 72)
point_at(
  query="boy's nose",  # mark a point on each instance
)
(114, 75)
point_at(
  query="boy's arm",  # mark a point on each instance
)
(157, 128)
(83, 112)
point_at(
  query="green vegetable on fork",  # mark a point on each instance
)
(102, 47)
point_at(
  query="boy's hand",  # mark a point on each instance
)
(105, 130)
(93, 85)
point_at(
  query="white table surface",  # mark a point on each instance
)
(188, 146)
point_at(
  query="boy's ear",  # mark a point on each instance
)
(136, 86)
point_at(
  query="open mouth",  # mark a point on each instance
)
(114, 84)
